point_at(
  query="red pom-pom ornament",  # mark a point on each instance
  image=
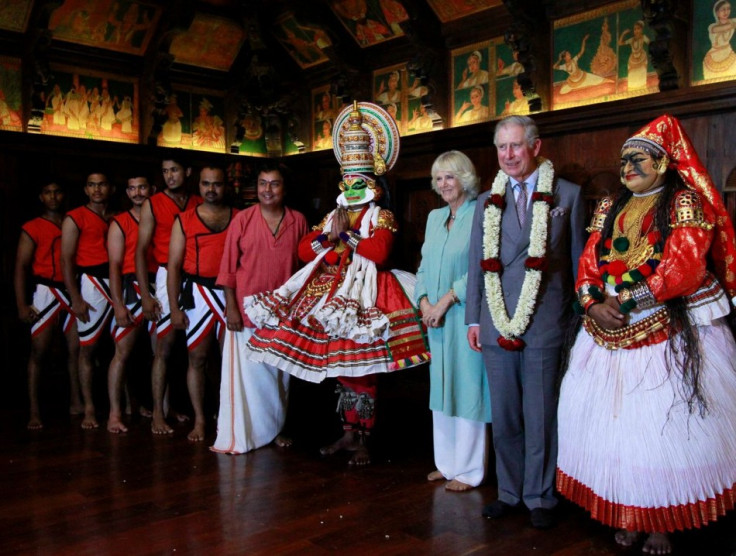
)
(491, 265)
(617, 268)
(511, 344)
(497, 200)
(536, 263)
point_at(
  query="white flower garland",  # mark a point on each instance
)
(514, 327)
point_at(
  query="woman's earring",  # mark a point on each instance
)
(661, 165)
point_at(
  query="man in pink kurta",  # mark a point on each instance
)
(260, 255)
(254, 260)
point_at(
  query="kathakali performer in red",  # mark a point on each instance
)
(647, 409)
(343, 315)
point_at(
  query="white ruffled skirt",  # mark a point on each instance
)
(631, 453)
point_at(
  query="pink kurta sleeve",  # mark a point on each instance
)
(231, 254)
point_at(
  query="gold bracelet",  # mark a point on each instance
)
(585, 299)
(624, 296)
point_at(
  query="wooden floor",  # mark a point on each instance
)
(68, 491)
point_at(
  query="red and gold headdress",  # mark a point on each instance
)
(667, 133)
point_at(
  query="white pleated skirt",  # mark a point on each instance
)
(631, 453)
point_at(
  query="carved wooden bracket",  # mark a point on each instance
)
(659, 15)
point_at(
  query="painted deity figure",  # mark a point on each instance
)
(577, 78)
(720, 60)
(638, 59)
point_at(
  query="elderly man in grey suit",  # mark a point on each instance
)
(527, 236)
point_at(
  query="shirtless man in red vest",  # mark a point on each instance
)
(197, 304)
(154, 231)
(125, 292)
(84, 265)
(38, 262)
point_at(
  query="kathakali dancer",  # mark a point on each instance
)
(647, 410)
(340, 316)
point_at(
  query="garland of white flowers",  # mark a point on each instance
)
(512, 328)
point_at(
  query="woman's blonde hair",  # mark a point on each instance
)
(461, 167)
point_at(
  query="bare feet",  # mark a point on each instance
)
(350, 442)
(90, 421)
(283, 441)
(180, 417)
(197, 434)
(657, 543)
(145, 412)
(626, 538)
(34, 423)
(361, 456)
(435, 475)
(160, 426)
(347, 442)
(457, 486)
(115, 424)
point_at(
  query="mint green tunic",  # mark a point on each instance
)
(458, 380)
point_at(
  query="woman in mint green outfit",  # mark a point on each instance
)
(459, 397)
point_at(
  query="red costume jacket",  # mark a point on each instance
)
(204, 247)
(165, 210)
(92, 244)
(46, 236)
(128, 225)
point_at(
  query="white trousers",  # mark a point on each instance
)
(253, 399)
(460, 448)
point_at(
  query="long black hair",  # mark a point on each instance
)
(385, 200)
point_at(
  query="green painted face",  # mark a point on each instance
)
(355, 190)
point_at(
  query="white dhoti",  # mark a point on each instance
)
(50, 302)
(96, 292)
(253, 399)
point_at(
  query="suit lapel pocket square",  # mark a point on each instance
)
(558, 211)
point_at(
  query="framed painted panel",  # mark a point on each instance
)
(602, 55)
(325, 106)
(211, 42)
(510, 99)
(195, 120)
(371, 21)
(473, 93)
(253, 142)
(14, 15)
(455, 9)
(419, 119)
(11, 97)
(304, 43)
(121, 25)
(91, 106)
(714, 58)
(208, 125)
(390, 90)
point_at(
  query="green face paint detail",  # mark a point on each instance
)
(355, 191)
